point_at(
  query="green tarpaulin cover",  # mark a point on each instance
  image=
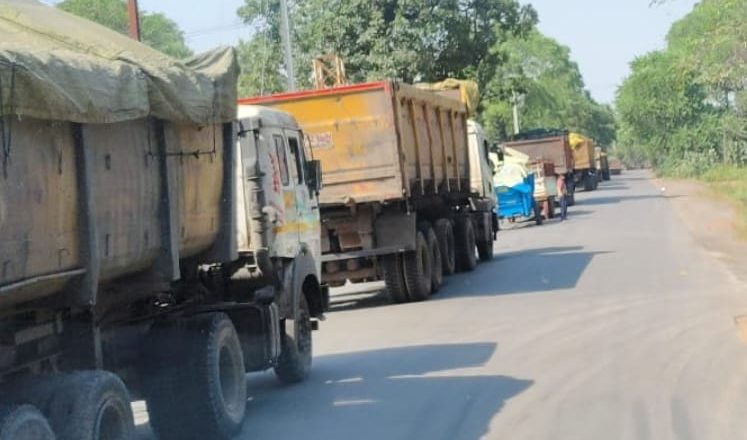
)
(54, 65)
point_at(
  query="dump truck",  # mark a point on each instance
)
(584, 162)
(603, 164)
(550, 146)
(152, 245)
(407, 195)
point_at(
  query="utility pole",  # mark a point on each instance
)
(134, 13)
(515, 102)
(286, 41)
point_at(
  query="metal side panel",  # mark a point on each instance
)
(39, 199)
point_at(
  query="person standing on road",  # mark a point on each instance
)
(563, 197)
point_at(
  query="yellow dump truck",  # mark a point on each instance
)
(603, 165)
(584, 159)
(400, 200)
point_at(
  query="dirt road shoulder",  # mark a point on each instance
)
(713, 221)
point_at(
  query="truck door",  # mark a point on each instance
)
(286, 235)
(307, 204)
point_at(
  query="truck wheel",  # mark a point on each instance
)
(437, 274)
(445, 234)
(197, 389)
(571, 199)
(91, 405)
(588, 183)
(485, 250)
(294, 362)
(24, 422)
(465, 245)
(538, 215)
(395, 278)
(418, 269)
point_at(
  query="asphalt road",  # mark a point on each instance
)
(612, 325)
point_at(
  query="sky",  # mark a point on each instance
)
(604, 35)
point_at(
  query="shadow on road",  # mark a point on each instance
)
(383, 394)
(539, 270)
(610, 200)
(529, 271)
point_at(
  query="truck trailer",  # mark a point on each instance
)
(552, 146)
(408, 196)
(152, 245)
(585, 169)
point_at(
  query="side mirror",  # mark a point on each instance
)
(314, 175)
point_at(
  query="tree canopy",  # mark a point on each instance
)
(157, 30)
(417, 40)
(682, 109)
(494, 42)
(552, 91)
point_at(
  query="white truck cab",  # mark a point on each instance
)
(481, 168)
(290, 185)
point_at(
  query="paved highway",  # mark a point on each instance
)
(612, 325)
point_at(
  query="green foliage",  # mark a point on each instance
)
(417, 40)
(551, 87)
(157, 30)
(684, 107)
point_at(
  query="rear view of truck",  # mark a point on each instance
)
(398, 203)
(552, 146)
(585, 170)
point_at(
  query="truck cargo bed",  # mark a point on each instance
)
(381, 141)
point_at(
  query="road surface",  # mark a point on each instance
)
(613, 325)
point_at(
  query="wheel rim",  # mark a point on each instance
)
(110, 423)
(230, 381)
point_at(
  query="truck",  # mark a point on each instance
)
(551, 146)
(153, 246)
(585, 169)
(603, 164)
(407, 195)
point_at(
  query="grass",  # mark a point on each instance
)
(731, 183)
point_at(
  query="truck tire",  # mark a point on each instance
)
(465, 245)
(91, 405)
(445, 234)
(537, 216)
(294, 362)
(437, 274)
(418, 269)
(588, 182)
(485, 251)
(24, 422)
(394, 278)
(198, 389)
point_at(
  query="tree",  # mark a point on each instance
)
(415, 40)
(551, 87)
(684, 106)
(158, 31)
